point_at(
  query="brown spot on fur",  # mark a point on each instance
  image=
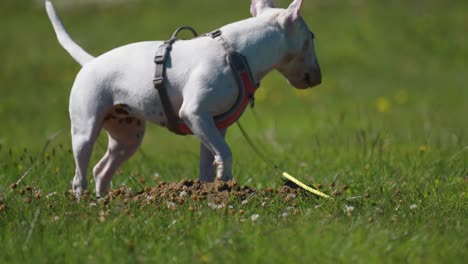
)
(138, 122)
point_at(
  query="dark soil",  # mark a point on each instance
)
(217, 194)
(189, 192)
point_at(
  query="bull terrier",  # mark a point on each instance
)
(115, 91)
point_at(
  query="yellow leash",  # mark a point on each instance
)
(305, 187)
(283, 173)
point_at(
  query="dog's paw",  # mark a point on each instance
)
(223, 174)
(102, 187)
(223, 169)
(78, 194)
(79, 188)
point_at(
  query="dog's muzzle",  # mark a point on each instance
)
(313, 79)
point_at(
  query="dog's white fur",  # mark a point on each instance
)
(115, 90)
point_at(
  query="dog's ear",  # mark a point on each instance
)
(294, 10)
(258, 6)
(291, 15)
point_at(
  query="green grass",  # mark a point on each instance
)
(389, 120)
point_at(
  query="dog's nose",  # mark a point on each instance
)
(318, 73)
(314, 78)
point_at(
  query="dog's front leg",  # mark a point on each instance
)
(203, 126)
(207, 165)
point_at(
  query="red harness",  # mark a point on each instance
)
(240, 69)
(235, 112)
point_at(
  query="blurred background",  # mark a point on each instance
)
(393, 71)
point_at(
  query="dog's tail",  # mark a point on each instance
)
(78, 53)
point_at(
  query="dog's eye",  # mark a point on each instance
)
(312, 35)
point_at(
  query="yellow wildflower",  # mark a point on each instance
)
(382, 104)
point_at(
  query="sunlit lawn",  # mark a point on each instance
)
(387, 130)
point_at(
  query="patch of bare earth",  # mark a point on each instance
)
(218, 193)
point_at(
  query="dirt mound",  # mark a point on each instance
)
(190, 193)
(218, 193)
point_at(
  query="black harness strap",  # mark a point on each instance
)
(159, 82)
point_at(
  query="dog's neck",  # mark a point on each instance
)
(260, 41)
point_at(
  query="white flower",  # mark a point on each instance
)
(349, 209)
(170, 205)
(413, 207)
(50, 195)
(254, 217)
(216, 206)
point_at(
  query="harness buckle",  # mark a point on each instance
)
(158, 82)
(216, 33)
(251, 100)
(160, 58)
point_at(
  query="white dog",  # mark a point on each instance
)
(115, 90)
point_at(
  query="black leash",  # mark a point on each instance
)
(256, 150)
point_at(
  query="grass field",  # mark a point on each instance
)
(387, 129)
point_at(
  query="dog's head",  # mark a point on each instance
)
(299, 64)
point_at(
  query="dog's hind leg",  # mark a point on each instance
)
(125, 136)
(84, 135)
(207, 165)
